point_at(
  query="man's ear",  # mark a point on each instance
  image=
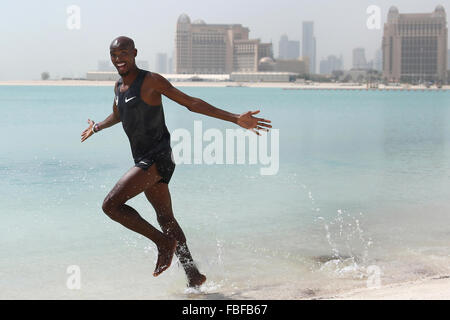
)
(135, 53)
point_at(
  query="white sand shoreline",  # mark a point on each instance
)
(283, 85)
(433, 288)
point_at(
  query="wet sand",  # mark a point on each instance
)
(435, 288)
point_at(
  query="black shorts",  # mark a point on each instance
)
(164, 163)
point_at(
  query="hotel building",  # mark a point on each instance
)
(216, 48)
(415, 46)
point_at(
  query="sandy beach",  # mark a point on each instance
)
(434, 288)
(283, 85)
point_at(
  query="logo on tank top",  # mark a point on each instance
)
(128, 100)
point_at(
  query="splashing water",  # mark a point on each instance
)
(349, 248)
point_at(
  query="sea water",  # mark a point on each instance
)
(360, 199)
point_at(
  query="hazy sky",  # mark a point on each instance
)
(35, 37)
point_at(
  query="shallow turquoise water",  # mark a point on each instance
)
(363, 180)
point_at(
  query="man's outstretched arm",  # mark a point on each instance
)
(245, 120)
(111, 120)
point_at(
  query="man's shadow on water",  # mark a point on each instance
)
(194, 294)
(207, 296)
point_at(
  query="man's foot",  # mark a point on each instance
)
(196, 280)
(165, 255)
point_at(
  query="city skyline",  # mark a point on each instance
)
(38, 40)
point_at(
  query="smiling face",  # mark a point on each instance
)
(123, 55)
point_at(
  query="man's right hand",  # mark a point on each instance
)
(88, 132)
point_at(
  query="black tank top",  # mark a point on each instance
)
(144, 124)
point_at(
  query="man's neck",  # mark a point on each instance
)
(130, 76)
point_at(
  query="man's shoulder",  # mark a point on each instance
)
(154, 79)
(151, 75)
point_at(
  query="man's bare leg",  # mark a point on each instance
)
(159, 196)
(131, 184)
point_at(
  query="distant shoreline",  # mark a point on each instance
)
(283, 85)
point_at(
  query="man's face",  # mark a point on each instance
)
(123, 59)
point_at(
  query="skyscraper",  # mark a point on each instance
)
(288, 49)
(448, 59)
(330, 64)
(415, 46)
(378, 61)
(170, 65)
(161, 63)
(309, 45)
(359, 58)
(216, 48)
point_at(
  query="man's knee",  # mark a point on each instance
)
(109, 207)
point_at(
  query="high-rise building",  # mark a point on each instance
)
(161, 63)
(288, 49)
(215, 48)
(330, 64)
(448, 66)
(309, 45)
(448, 59)
(283, 45)
(378, 61)
(415, 46)
(359, 58)
(170, 65)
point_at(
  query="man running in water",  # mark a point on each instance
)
(138, 106)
